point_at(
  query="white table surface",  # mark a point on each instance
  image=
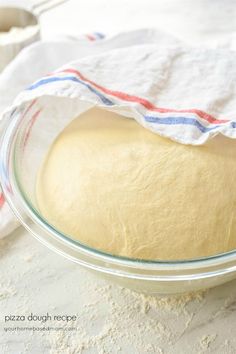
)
(112, 319)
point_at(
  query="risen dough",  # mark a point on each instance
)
(113, 185)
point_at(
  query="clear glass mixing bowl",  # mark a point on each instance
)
(23, 147)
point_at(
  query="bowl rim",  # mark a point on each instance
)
(9, 177)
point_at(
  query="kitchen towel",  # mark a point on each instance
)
(183, 93)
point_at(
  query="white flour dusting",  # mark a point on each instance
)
(110, 319)
(136, 311)
(206, 341)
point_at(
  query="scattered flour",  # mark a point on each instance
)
(6, 291)
(110, 319)
(133, 311)
(206, 341)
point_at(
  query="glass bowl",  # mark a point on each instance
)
(24, 144)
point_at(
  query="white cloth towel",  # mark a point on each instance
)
(184, 93)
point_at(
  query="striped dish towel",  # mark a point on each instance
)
(185, 94)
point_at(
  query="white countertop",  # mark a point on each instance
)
(111, 319)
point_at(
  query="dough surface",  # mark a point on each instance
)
(115, 186)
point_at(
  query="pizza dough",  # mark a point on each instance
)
(117, 187)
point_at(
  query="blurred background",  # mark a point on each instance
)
(203, 23)
(195, 21)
